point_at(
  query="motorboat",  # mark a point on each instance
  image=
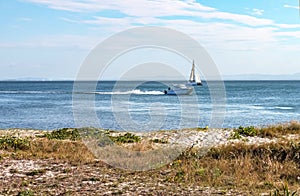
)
(179, 89)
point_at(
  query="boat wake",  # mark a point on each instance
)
(136, 91)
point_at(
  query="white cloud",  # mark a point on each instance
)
(237, 42)
(295, 34)
(154, 8)
(220, 36)
(292, 6)
(288, 26)
(240, 18)
(257, 12)
(214, 35)
(233, 31)
(143, 7)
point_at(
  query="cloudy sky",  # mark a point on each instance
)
(51, 38)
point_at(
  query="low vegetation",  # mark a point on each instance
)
(9, 142)
(239, 168)
(247, 131)
(25, 193)
(279, 130)
(246, 167)
(160, 141)
(63, 134)
(126, 138)
(283, 191)
(276, 131)
(36, 172)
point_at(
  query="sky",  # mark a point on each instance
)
(51, 38)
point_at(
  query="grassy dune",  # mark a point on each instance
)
(58, 162)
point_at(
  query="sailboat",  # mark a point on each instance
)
(185, 89)
(194, 77)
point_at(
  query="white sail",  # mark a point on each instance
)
(194, 77)
(197, 79)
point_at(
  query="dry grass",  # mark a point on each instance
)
(279, 130)
(254, 168)
(140, 146)
(251, 169)
(72, 151)
(272, 131)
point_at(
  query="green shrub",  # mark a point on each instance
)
(99, 135)
(283, 191)
(161, 141)
(179, 176)
(63, 134)
(216, 172)
(200, 171)
(246, 131)
(12, 142)
(126, 138)
(202, 128)
(25, 193)
(235, 135)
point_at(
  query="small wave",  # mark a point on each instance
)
(284, 108)
(255, 107)
(33, 92)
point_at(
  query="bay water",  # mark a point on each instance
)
(49, 104)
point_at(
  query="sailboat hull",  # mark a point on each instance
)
(194, 83)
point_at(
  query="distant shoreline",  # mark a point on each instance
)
(235, 77)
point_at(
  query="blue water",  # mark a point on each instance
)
(49, 105)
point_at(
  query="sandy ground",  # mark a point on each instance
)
(56, 177)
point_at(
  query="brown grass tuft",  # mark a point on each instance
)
(140, 146)
(292, 127)
(72, 151)
(241, 166)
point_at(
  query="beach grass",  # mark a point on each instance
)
(270, 131)
(235, 168)
(240, 165)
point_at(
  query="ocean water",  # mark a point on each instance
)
(125, 105)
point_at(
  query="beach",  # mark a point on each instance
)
(149, 97)
(237, 161)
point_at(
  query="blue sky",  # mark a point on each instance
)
(51, 38)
